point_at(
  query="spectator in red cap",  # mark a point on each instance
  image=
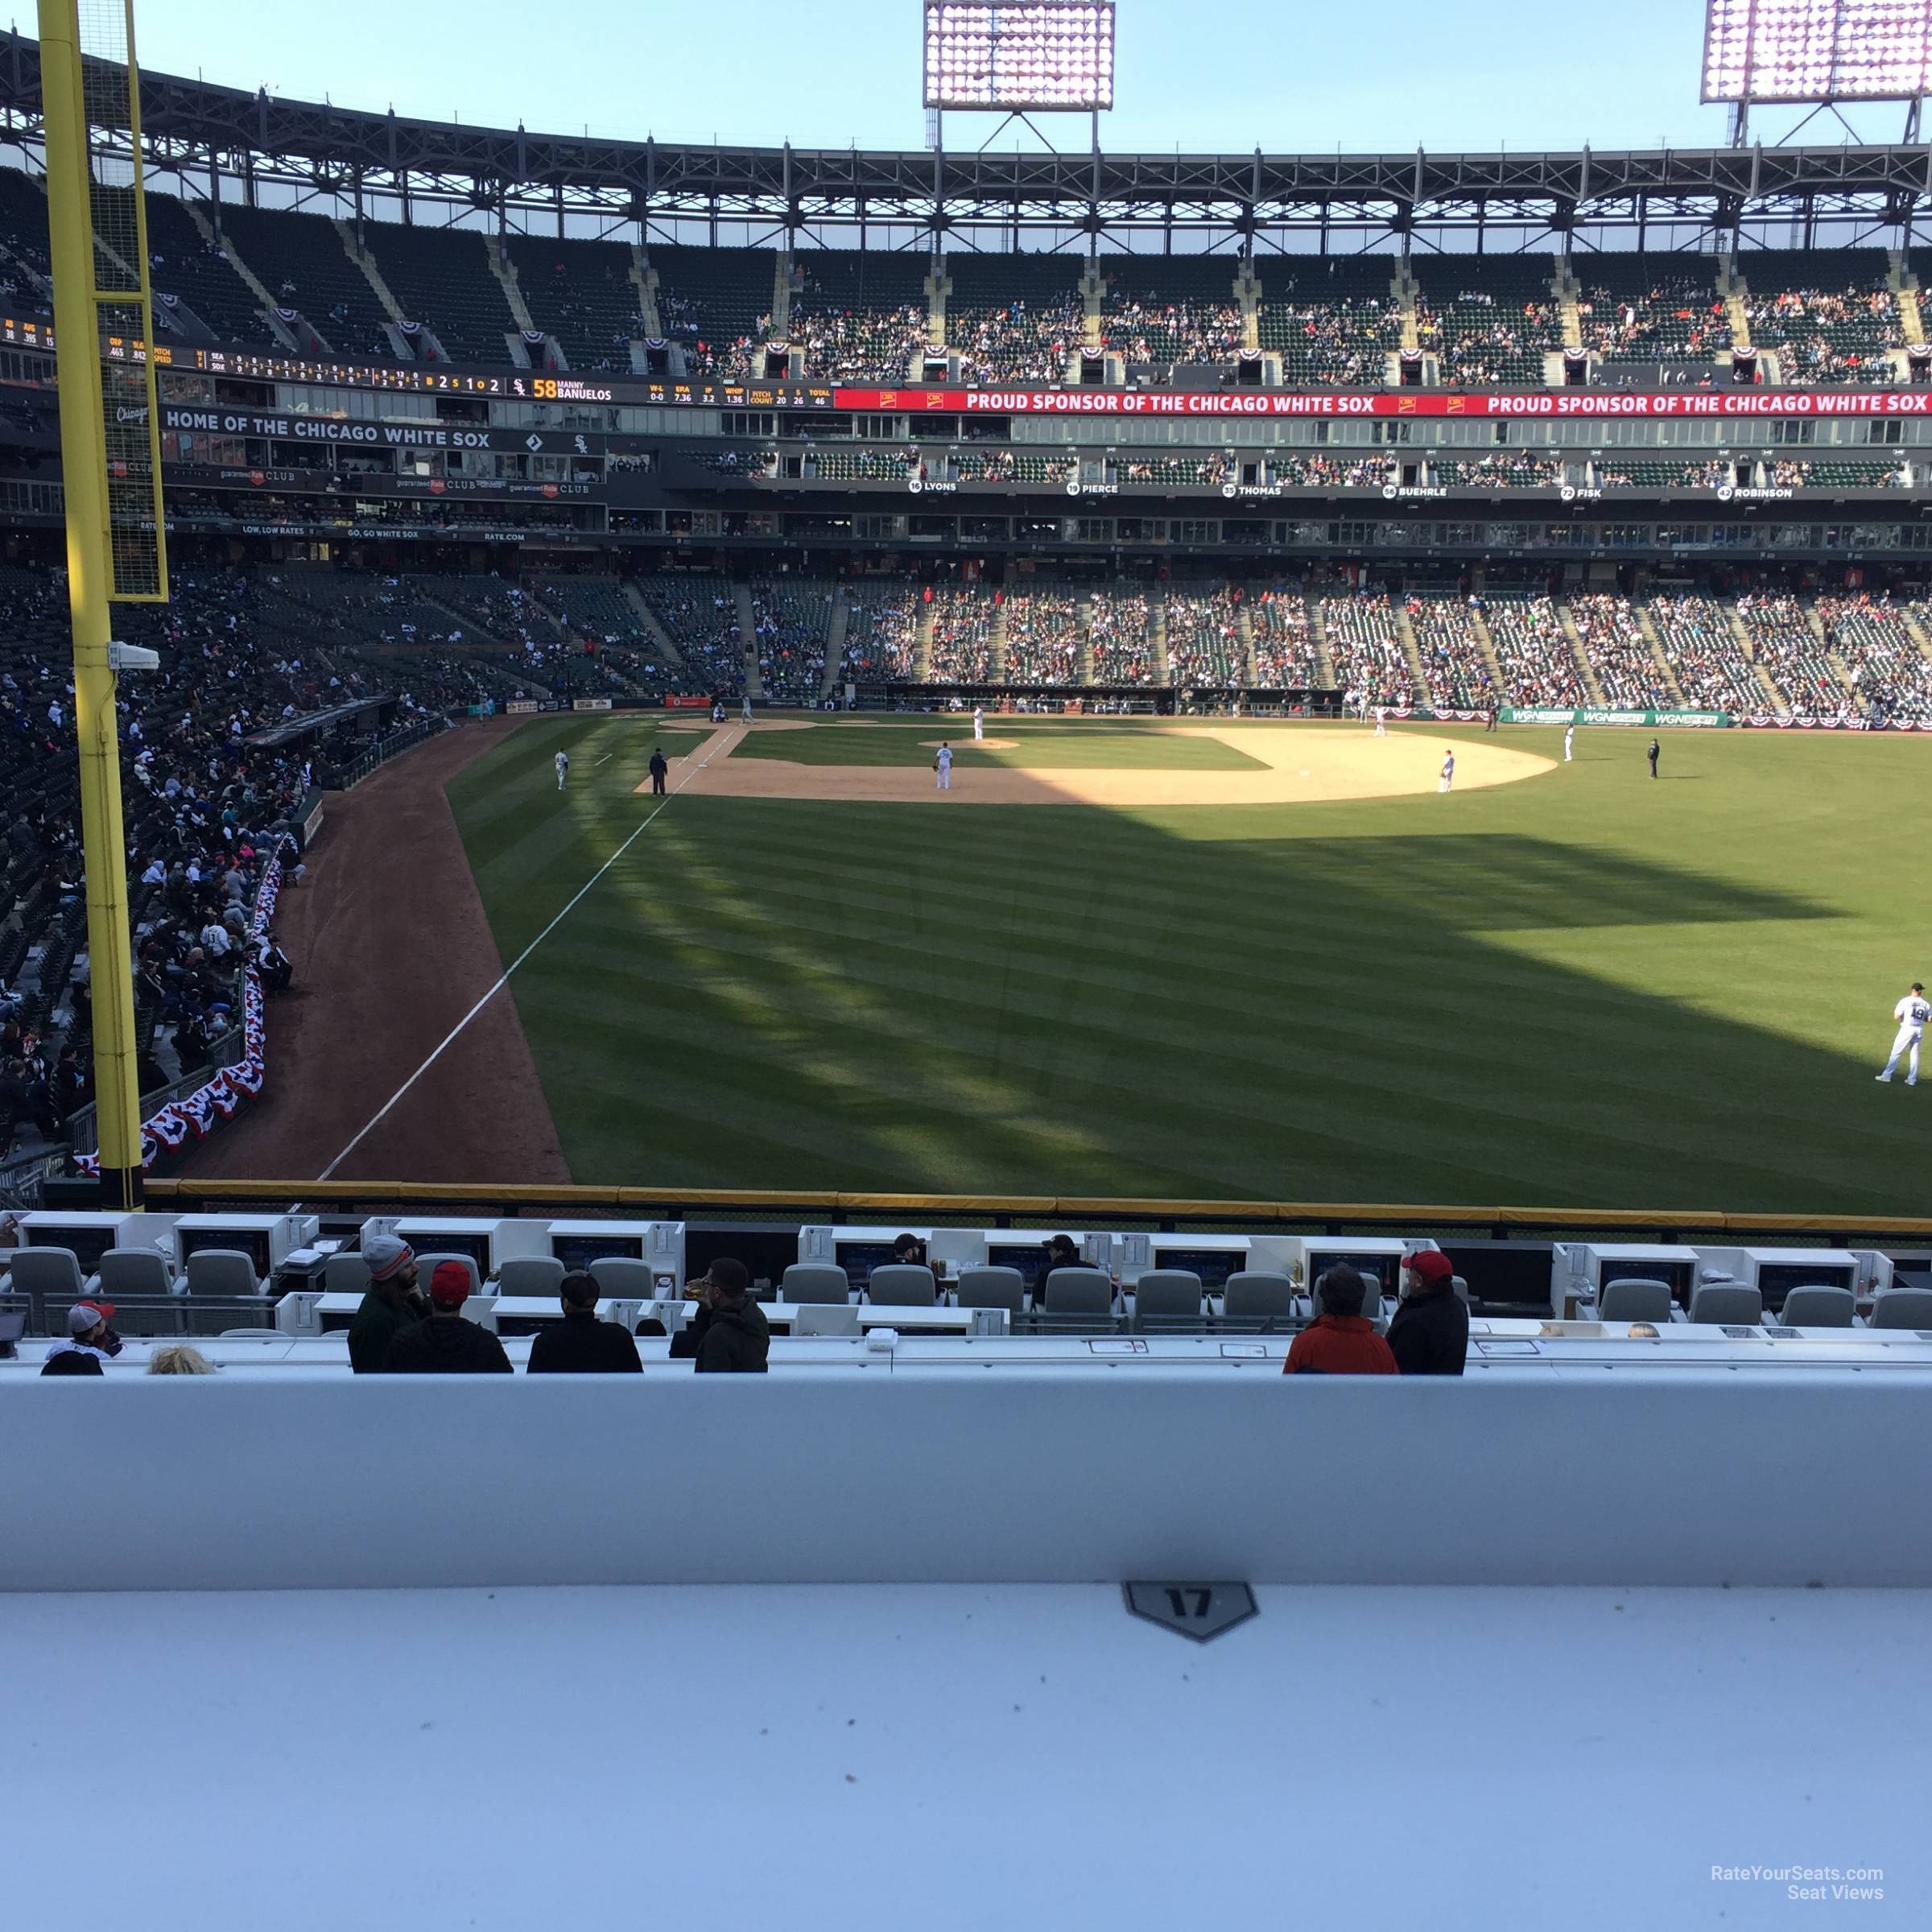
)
(1429, 1332)
(1341, 1340)
(394, 1302)
(446, 1343)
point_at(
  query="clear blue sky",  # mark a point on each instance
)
(1230, 75)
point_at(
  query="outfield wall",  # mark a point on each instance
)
(972, 1476)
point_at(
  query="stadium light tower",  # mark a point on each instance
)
(110, 464)
(1816, 52)
(1018, 58)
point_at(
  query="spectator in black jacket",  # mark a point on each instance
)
(580, 1344)
(86, 1348)
(1429, 1332)
(730, 1335)
(394, 1302)
(446, 1343)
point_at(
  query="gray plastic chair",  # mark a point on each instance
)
(251, 1335)
(345, 1274)
(426, 1265)
(132, 1272)
(1817, 1305)
(222, 1271)
(1456, 1281)
(623, 1278)
(1076, 1291)
(902, 1285)
(1727, 1301)
(537, 1275)
(1902, 1308)
(821, 1282)
(1628, 1299)
(1255, 1295)
(992, 1288)
(53, 1271)
(1168, 1297)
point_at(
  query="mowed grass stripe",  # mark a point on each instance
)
(1120, 1003)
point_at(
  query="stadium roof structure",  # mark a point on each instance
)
(235, 143)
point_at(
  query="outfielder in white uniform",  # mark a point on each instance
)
(942, 765)
(1381, 723)
(1448, 777)
(1911, 1012)
(562, 766)
(1569, 740)
(979, 723)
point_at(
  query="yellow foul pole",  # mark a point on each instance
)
(90, 577)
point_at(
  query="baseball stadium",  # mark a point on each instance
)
(1018, 787)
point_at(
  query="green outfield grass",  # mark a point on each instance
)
(1039, 746)
(1583, 989)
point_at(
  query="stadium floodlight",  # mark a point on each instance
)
(1817, 51)
(1020, 57)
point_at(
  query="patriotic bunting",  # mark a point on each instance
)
(196, 1115)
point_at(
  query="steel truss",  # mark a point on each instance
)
(227, 144)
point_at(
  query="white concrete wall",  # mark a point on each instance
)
(971, 1477)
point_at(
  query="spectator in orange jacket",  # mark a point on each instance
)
(1340, 1340)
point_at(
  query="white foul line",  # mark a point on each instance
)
(375, 1120)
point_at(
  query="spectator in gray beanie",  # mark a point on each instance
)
(394, 1302)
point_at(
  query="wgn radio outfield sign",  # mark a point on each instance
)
(1559, 715)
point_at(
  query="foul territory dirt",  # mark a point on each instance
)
(391, 948)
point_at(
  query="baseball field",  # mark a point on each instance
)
(1236, 960)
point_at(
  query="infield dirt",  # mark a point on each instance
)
(1301, 766)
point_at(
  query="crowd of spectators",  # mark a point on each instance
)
(1533, 651)
(1677, 315)
(962, 635)
(1016, 342)
(1285, 655)
(1481, 342)
(791, 615)
(1146, 329)
(1517, 467)
(1705, 656)
(202, 809)
(699, 614)
(1618, 652)
(1123, 653)
(1204, 649)
(1347, 341)
(1825, 336)
(1784, 643)
(1366, 651)
(1454, 667)
(858, 344)
(1042, 637)
(1870, 636)
(882, 631)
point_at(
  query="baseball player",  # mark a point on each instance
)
(1911, 1012)
(979, 723)
(1381, 723)
(942, 764)
(1569, 742)
(745, 712)
(562, 767)
(1652, 754)
(1448, 777)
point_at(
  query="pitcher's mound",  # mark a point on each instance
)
(972, 744)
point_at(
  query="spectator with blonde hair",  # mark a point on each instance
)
(179, 1358)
